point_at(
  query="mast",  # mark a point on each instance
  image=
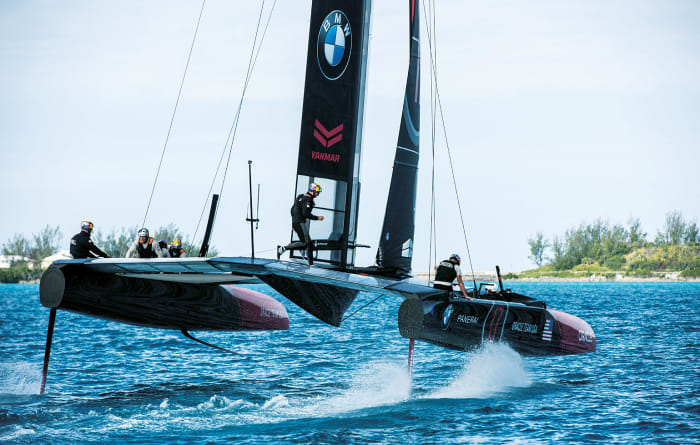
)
(396, 243)
(330, 140)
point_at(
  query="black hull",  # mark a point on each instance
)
(160, 304)
(460, 324)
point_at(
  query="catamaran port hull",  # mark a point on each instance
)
(152, 302)
(460, 324)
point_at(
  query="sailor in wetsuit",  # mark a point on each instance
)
(301, 216)
(81, 245)
(175, 250)
(446, 273)
(144, 247)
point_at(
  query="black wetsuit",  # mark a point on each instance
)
(301, 213)
(446, 273)
(81, 246)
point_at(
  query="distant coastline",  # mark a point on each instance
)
(664, 277)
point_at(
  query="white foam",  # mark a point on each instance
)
(276, 403)
(495, 367)
(216, 402)
(375, 384)
(20, 378)
(16, 433)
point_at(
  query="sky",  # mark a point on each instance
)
(557, 113)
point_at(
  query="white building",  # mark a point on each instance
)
(7, 260)
(60, 255)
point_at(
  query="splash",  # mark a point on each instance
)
(19, 378)
(494, 367)
(276, 403)
(375, 384)
(15, 433)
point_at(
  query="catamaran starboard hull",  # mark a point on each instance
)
(148, 301)
(460, 324)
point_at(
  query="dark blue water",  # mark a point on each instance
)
(113, 383)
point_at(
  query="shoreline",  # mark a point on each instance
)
(671, 277)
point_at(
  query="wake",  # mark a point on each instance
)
(493, 368)
(19, 378)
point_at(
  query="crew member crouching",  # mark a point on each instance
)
(175, 250)
(144, 247)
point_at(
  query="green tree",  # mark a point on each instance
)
(674, 229)
(538, 245)
(18, 246)
(560, 261)
(46, 243)
(637, 236)
(691, 233)
(115, 244)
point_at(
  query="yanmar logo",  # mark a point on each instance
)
(327, 138)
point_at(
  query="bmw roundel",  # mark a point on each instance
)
(447, 315)
(334, 44)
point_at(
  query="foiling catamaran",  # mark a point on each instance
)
(199, 293)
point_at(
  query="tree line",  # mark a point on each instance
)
(608, 245)
(27, 252)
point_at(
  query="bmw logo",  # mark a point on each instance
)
(334, 44)
(447, 315)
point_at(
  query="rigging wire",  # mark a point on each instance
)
(172, 118)
(433, 66)
(363, 306)
(234, 125)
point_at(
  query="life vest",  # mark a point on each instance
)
(176, 253)
(146, 252)
(445, 274)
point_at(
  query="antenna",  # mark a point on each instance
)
(251, 219)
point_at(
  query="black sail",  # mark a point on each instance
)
(396, 243)
(331, 123)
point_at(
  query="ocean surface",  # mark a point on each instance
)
(114, 383)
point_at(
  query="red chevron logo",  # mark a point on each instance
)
(327, 138)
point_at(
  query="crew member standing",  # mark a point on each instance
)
(81, 246)
(144, 247)
(301, 216)
(175, 250)
(446, 273)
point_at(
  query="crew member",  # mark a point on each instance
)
(144, 247)
(301, 216)
(175, 250)
(446, 273)
(81, 246)
(163, 246)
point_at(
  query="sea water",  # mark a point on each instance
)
(114, 383)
